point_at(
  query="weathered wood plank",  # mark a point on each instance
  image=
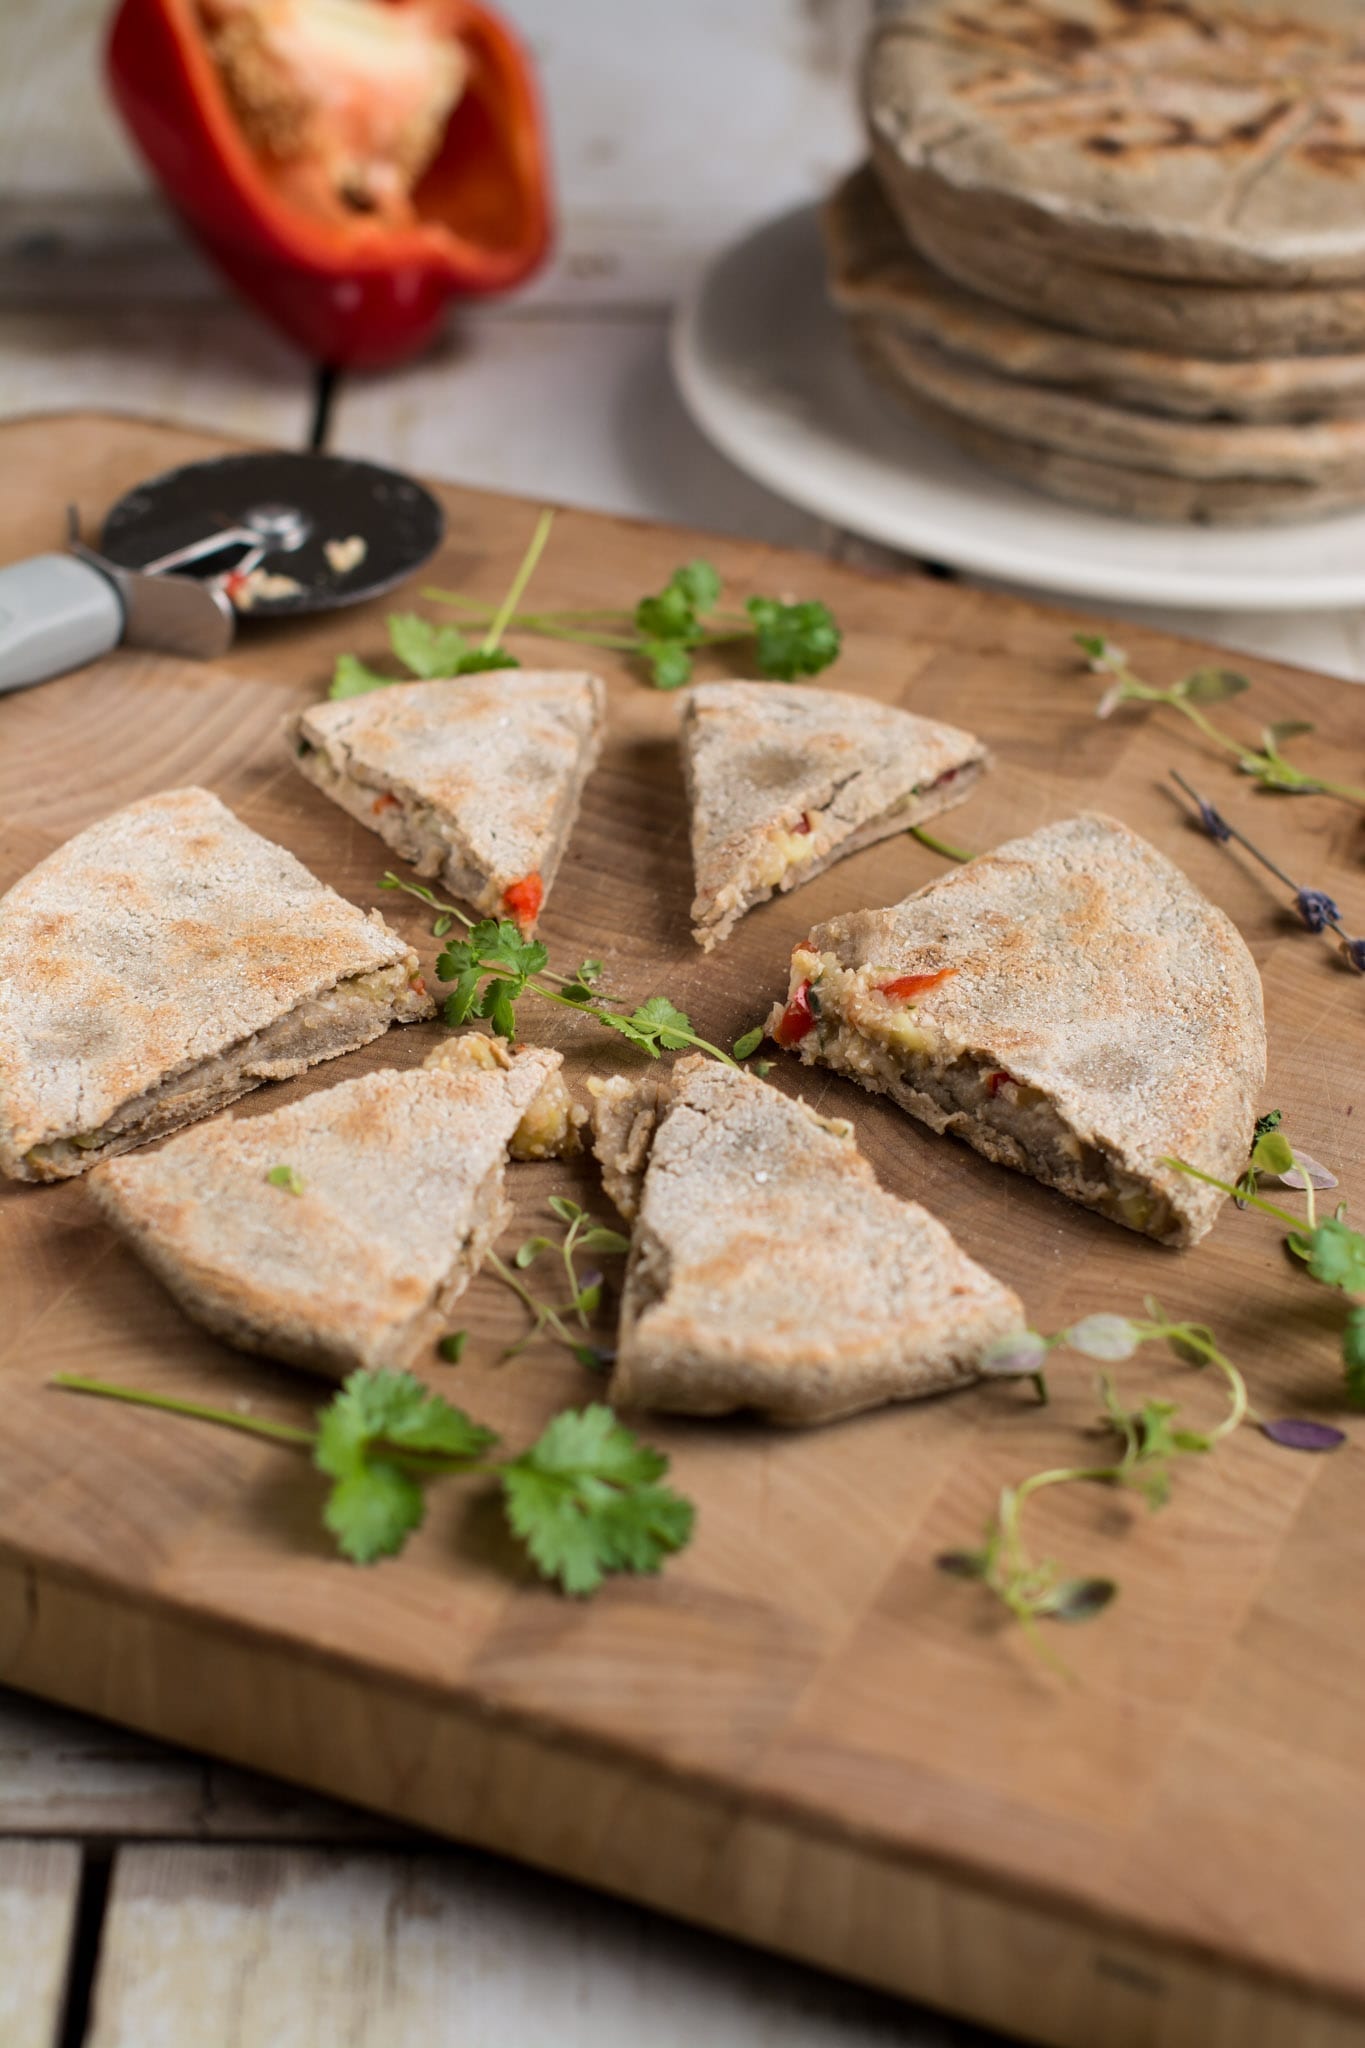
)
(62, 1774)
(39, 1882)
(233, 1948)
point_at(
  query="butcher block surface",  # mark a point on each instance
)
(802, 1733)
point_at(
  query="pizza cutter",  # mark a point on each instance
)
(186, 559)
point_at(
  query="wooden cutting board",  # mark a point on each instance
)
(802, 1733)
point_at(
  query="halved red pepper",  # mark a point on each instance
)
(354, 292)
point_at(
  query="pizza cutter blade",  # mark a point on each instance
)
(187, 557)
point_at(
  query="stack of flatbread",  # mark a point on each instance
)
(1117, 249)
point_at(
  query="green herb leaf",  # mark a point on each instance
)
(600, 1239)
(1336, 1255)
(793, 639)
(376, 1502)
(351, 678)
(564, 1209)
(479, 660)
(1272, 1153)
(586, 1502)
(1105, 1337)
(1076, 1599)
(588, 971)
(286, 1177)
(670, 665)
(451, 1346)
(1273, 737)
(1210, 685)
(373, 1511)
(1271, 1121)
(428, 650)
(748, 1043)
(699, 583)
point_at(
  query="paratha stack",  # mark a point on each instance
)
(1116, 248)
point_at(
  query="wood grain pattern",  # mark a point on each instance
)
(38, 1886)
(232, 1948)
(801, 1733)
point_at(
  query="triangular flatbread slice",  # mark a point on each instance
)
(768, 1270)
(387, 1193)
(784, 780)
(164, 962)
(1069, 1004)
(475, 779)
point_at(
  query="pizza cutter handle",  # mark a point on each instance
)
(56, 613)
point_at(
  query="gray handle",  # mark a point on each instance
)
(55, 614)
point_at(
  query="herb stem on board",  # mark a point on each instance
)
(940, 846)
(584, 1499)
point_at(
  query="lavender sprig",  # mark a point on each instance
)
(1317, 910)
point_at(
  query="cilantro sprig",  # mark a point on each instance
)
(1266, 764)
(428, 651)
(582, 1234)
(585, 1499)
(1149, 1437)
(493, 966)
(1331, 1250)
(667, 629)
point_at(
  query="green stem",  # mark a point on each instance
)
(1238, 1194)
(250, 1425)
(542, 1313)
(519, 581)
(590, 1009)
(939, 845)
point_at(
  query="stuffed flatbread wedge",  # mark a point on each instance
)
(164, 962)
(1069, 1004)
(768, 1270)
(475, 779)
(387, 1193)
(784, 780)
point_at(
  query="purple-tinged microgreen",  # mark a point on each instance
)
(1266, 764)
(584, 1498)
(1332, 1251)
(495, 966)
(1298, 1433)
(581, 1234)
(1033, 1589)
(1315, 909)
(287, 1177)
(940, 846)
(663, 631)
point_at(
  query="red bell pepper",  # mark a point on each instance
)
(355, 291)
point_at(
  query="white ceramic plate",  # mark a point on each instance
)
(768, 373)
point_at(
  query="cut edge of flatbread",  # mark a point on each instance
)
(996, 1046)
(150, 845)
(341, 1274)
(399, 802)
(893, 770)
(731, 1188)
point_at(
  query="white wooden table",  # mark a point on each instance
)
(147, 1899)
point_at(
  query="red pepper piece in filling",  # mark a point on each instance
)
(350, 167)
(997, 1078)
(797, 1019)
(803, 824)
(385, 802)
(522, 900)
(907, 986)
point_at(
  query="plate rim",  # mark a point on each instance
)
(727, 417)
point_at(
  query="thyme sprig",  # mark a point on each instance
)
(1316, 910)
(1267, 764)
(1149, 1437)
(490, 970)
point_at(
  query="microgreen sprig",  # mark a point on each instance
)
(1149, 1437)
(665, 630)
(491, 969)
(584, 1498)
(1331, 1250)
(1315, 909)
(429, 652)
(1267, 763)
(585, 1290)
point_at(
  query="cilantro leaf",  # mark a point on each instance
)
(287, 1177)
(793, 639)
(585, 1501)
(479, 660)
(351, 678)
(1336, 1255)
(699, 583)
(664, 1021)
(376, 1503)
(670, 664)
(427, 650)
